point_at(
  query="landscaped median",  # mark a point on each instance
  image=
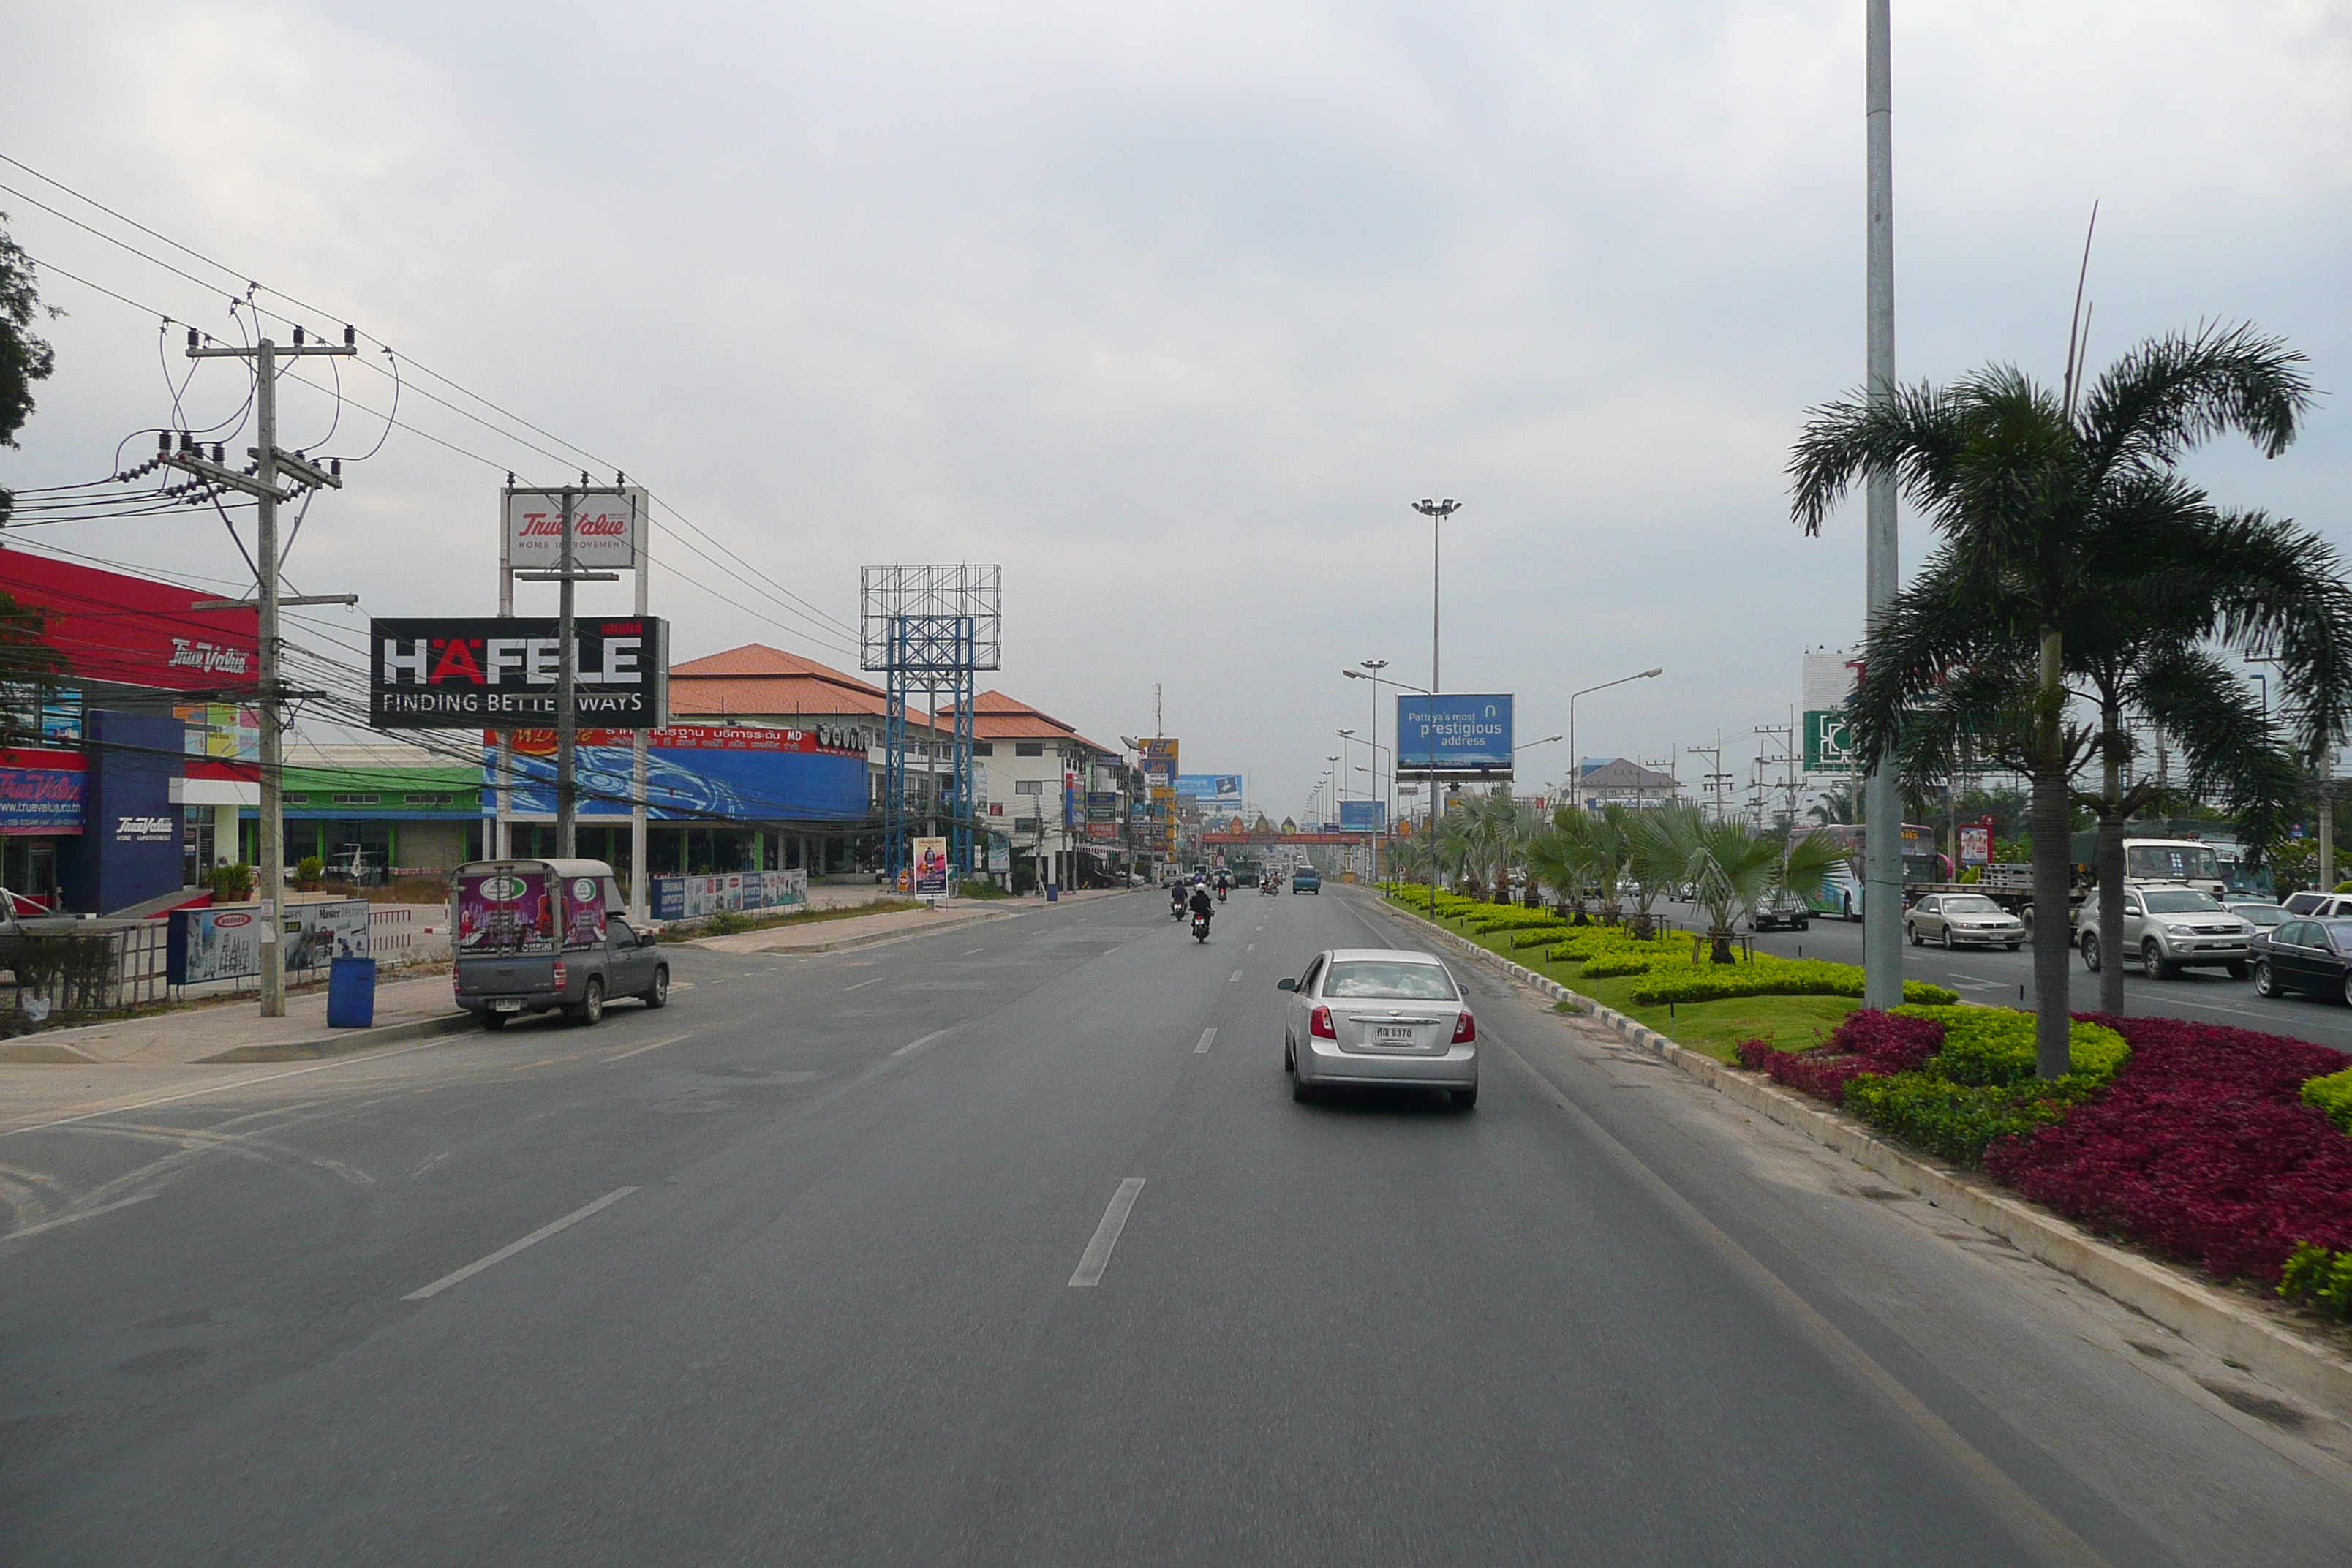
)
(1666, 982)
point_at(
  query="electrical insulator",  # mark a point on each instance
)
(337, 467)
(163, 440)
(351, 337)
(192, 337)
(216, 451)
(298, 337)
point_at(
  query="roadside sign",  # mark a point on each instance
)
(930, 867)
(1455, 735)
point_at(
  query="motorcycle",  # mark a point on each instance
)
(1269, 887)
(1200, 927)
(1176, 910)
(1221, 895)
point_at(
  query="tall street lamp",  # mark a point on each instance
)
(1380, 825)
(1371, 672)
(1576, 768)
(1437, 512)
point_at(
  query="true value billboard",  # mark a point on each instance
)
(1454, 735)
(499, 673)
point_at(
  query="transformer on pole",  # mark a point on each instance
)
(929, 629)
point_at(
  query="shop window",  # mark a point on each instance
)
(443, 798)
(1028, 748)
(358, 800)
(1028, 787)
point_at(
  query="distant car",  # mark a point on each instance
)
(2319, 906)
(1780, 909)
(2169, 928)
(1963, 919)
(2304, 955)
(1307, 880)
(2260, 913)
(1374, 1018)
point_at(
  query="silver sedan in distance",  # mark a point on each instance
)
(1963, 918)
(1373, 1017)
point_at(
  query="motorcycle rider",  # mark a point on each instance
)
(1176, 898)
(1203, 907)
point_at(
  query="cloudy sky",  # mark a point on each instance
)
(1173, 310)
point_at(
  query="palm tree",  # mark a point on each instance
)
(1731, 867)
(1840, 805)
(2045, 509)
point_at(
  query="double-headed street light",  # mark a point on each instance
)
(1575, 768)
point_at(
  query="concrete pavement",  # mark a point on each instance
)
(784, 1273)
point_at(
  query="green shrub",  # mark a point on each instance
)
(1493, 918)
(2318, 1277)
(2333, 1096)
(1765, 977)
(1956, 1120)
(309, 868)
(1535, 936)
(231, 884)
(1990, 1046)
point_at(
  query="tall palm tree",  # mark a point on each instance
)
(2045, 505)
(1732, 868)
(1840, 805)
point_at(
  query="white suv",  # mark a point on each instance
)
(2169, 928)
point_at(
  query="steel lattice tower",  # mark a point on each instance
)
(929, 629)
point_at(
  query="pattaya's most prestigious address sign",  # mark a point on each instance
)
(500, 673)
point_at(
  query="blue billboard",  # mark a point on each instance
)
(1362, 816)
(1211, 789)
(1453, 733)
(692, 775)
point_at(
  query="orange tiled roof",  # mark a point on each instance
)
(996, 717)
(757, 678)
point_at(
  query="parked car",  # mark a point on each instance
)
(1379, 1018)
(2304, 955)
(2169, 928)
(1307, 880)
(1963, 919)
(536, 936)
(1780, 909)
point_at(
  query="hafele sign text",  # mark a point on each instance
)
(500, 673)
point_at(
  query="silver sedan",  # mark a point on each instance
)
(1963, 918)
(1370, 1017)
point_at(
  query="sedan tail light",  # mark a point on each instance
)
(1318, 1024)
(1465, 1030)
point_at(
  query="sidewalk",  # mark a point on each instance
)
(858, 930)
(234, 1031)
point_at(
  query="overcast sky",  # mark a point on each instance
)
(1173, 310)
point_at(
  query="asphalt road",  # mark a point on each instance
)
(793, 1272)
(1996, 975)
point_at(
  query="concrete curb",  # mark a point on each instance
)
(972, 917)
(342, 1042)
(2182, 1303)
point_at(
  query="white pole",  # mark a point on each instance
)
(640, 885)
(1881, 930)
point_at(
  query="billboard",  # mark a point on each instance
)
(930, 867)
(1102, 805)
(224, 942)
(1363, 816)
(110, 626)
(606, 527)
(1211, 789)
(1829, 682)
(684, 897)
(499, 672)
(1455, 734)
(43, 792)
(1158, 761)
(693, 773)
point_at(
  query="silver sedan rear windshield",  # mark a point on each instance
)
(1387, 978)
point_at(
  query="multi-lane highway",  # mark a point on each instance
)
(1007, 1245)
(1997, 976)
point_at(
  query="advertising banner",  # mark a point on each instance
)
(42, 790)
(499, 672)
(1211, 789)
(111, 626)
(1828, 681)
(693, 773)
(1363, 816)
(584, 911)
(1455, 734)
(930, 867)
(504, 911)
(1158, 755)
(1976, 843)
(684, 897)
(1102, 832)
(606, 526)
(1000, 853)
(224, 942)
(1102, 805)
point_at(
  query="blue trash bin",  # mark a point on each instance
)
(350, 993)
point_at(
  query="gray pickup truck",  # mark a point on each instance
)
(539, 936)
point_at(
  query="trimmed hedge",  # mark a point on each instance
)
(2316, 1277)
(2333, 1097)
(1765, 977)
(1994, 1046)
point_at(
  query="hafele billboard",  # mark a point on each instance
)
(500, 673)
(1454, 735)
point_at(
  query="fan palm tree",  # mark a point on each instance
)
(2047, 509)
(1838, 805)
(1732, 868)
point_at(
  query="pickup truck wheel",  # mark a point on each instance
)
(657, 994)
(591, 1009)
(494, 1020)
(2090, 952)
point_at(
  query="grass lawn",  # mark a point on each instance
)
(1790, 1023)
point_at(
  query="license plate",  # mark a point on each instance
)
(1393, 1034)
(507, 1004)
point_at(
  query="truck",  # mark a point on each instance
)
(539, 936)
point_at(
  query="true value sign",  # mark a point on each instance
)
(607, 525)
(499, 673)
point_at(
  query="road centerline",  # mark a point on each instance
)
(511, 1248)
(864, 984)
(1096, 1257)
(1208, 1038)
(912, 1045)
(1237, 978)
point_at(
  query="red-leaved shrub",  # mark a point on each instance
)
(2200, 1147)
(1867, 1040)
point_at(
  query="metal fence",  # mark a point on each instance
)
(103, 970)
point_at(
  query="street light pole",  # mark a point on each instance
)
(1575, 771)
(1437, 512)
(1882, 845)
(1381, 822)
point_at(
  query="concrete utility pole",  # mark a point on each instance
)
(1882, 866)
(570, 499)
(262, 484)
(1437, 512)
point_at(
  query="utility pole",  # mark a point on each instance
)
(1437, 512)
(566, 575)
(262, 484)
(1882, 908)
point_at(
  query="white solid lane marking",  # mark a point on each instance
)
(640, 1050)
(77, 1218)
(511, 1248)
(1236, 979)
(864, 984)
(1096, 1257)
(919, 1044)
(967, 952)
(1208, 1038)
